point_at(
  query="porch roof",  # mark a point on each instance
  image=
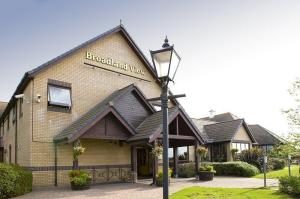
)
(263, 136)
(152, 126)
(100, 110)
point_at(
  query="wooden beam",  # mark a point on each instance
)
(177, 126)
(196, 158)
(175, 153)
(180, 137)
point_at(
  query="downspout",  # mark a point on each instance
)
(16, 134)
(55, 164)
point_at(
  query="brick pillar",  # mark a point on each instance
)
(134, 163)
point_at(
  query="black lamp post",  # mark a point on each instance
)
(166, 62)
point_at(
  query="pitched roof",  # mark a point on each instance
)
(98, 111)
(30, 74)
(223, 117)
(263, 136)
(2, 107)
(222, 131)
(152, 125)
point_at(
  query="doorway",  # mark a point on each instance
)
(144, 163)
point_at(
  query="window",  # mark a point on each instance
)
(21, 108)
(59, 96)
(240, 146)
(14, 115)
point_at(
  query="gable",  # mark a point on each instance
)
(132, 108)
(108, 128)
(242, 134)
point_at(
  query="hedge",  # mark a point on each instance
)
(186, 170)
(14, 181)
(235, 169)
(290, 185)
(278, 164)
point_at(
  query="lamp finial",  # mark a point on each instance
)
(166, 44)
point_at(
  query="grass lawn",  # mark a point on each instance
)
(227, 193)
(280, 173)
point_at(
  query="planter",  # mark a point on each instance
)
(80, 187)
(206, 175)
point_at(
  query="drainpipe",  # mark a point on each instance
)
(16, 134)
(55, 164)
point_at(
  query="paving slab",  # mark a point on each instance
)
(142, 189)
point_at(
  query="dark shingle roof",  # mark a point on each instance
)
(263, 136)
(93, 114)
(223, 117)
(2, 107)
(222, 131)
(151, 125)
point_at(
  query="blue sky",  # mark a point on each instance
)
(237, 56)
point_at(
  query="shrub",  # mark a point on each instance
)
(235, 169)
(14, 181)
(278, 163)
(290, 185)
(186, 170)
(159, 177)
(79, 178)
(207, 168)
(252, 156)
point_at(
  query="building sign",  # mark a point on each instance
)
(114, 63)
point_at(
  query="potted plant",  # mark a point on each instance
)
(206, 173)
(202, 151)
(233, 152)
(157, 152)
(159, 178)
(80, 180)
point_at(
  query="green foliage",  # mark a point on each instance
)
(77, 150)
(278, 163)
(202, 151)
(207, 168)
(252, 156)
(235, 169)
(14, 181)
(186, 170)
(157, 151)
(159, 177)
(79, 178)
(228, 193)
(290, 185)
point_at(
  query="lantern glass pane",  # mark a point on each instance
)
(174, 65)
(162, 63)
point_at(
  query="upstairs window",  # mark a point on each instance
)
(59, 96)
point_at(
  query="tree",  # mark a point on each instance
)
(292, 146)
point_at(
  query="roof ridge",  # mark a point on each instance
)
(224, 122)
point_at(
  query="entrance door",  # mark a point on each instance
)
(144, 162)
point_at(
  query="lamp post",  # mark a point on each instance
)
(165, 62)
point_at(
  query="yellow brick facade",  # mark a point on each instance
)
(89, 86)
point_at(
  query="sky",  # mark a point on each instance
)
(237, 56)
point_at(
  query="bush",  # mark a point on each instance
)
(79, 178)
(235, 169)
(159, 177)
(278, 163)
(186, 170)
(14, 181)
(252, 156)
(290, 185)
(207, 168)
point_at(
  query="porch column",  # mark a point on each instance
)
(155, 165)
(175, 154)
(134, 163)
(196, 158)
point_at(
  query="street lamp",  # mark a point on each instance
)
(165, 62)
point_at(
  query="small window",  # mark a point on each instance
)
(14, 115)
(59, 96)
(21, 108)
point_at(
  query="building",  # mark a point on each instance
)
(226, 131)
(96, 93)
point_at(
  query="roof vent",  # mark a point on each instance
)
(212, 113)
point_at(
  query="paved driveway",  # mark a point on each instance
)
(142, 190)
